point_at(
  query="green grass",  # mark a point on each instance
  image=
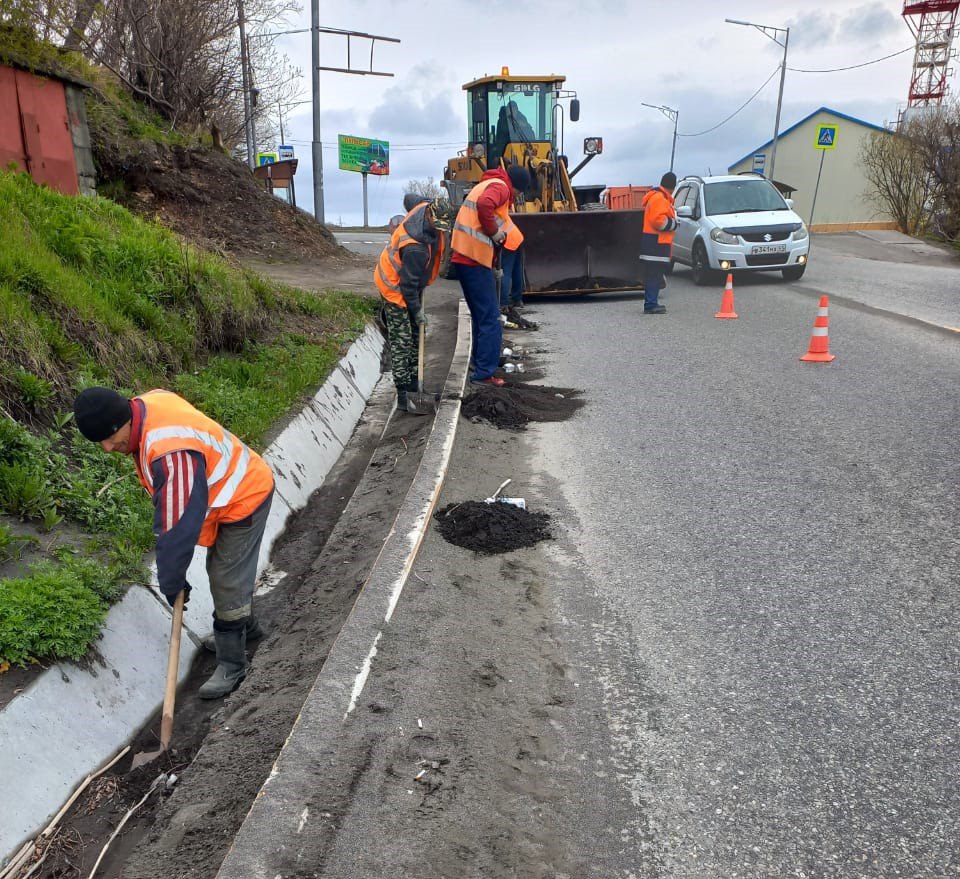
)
(90, 294)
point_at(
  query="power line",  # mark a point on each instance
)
(743, 106)
(853, 66)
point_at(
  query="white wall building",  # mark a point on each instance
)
(842, 202)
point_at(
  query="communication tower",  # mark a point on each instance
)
(933, 24)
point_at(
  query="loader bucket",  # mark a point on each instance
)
(582, 252)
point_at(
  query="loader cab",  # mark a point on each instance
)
(510, 110)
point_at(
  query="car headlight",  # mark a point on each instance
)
(723, 237)
(801, 234)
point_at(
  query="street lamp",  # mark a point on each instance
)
(673, 116)
(773, 33)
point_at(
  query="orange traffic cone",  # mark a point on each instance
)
(819, 341)
(726, 311)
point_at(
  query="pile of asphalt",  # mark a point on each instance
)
(514, 405)
(491, 528)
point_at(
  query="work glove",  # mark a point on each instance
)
(499, 236)
(418, 318)
(172, 599)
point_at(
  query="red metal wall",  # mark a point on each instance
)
(35, 129)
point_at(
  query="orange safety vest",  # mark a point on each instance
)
(387, 274)
(659, 224)
(238, 479)
(468, 236)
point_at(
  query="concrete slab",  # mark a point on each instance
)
(72, 719)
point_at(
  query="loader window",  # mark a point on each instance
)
(521, 113)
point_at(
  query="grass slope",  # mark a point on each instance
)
(90, 294)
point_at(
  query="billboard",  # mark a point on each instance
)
(364, 155)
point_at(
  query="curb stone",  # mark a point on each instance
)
(284, 823)
(71, 720)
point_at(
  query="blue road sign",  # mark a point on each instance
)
(826, 137)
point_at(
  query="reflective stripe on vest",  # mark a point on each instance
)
(238, 480)
(387, 273)
(468, 236)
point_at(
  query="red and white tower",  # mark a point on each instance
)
(933, 24)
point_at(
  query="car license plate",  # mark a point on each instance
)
(769, 248)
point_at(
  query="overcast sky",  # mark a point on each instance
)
(614, 53)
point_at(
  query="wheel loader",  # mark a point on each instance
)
(572, 244)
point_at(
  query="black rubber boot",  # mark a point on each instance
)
(254, 633)
(405, 404)
(231, 663)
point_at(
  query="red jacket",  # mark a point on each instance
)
(492, 198)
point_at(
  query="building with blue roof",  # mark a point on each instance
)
(843, 199)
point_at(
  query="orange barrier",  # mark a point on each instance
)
(820, 342)
(726, 311)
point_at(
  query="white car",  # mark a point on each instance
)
(737, 223)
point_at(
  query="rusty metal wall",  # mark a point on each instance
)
(35, 129)
(11, 132)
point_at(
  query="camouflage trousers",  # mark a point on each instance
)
(401, 335)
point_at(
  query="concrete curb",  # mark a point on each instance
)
(268, 845)
(71, 719)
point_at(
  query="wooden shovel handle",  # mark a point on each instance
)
(173, 665)
(423, 334)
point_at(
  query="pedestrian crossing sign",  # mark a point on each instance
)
(826, 137)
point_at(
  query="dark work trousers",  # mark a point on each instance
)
(653, 282)
(232, 565)
(480, 291)
(511, 287)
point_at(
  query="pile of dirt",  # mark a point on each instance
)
(210, 199)
(491, 528)
(514, 405)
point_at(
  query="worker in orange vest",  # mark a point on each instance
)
(656, 242)
(480, 229)
(408, 264)
(208, 489)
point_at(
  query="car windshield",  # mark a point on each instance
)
(742, 196)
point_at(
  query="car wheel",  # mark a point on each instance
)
(700, 266)
(793, 273)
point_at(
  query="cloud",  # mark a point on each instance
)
(415, 106)
(862, 26)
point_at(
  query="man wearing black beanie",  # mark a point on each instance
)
(656, 242)
(208, 488)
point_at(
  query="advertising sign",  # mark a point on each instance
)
(364, 155)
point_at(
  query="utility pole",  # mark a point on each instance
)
(673, 116)
(773, 33)
(245, 76)
(315, 85)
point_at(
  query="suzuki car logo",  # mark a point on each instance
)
(768, 237)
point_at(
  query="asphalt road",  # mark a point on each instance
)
(758, 582)
(739, 656)
(364, 243)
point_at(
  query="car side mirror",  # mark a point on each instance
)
(685, 211)
(790, 203)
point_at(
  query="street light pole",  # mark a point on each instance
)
(315, 78)
(673, 116)
(772, 33)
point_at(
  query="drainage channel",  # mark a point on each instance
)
(223, 751)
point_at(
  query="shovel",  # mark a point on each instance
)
(170, 694)
(421, 399)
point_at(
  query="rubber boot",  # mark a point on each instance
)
(405, 404)
(231, 664)
(254, 633)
